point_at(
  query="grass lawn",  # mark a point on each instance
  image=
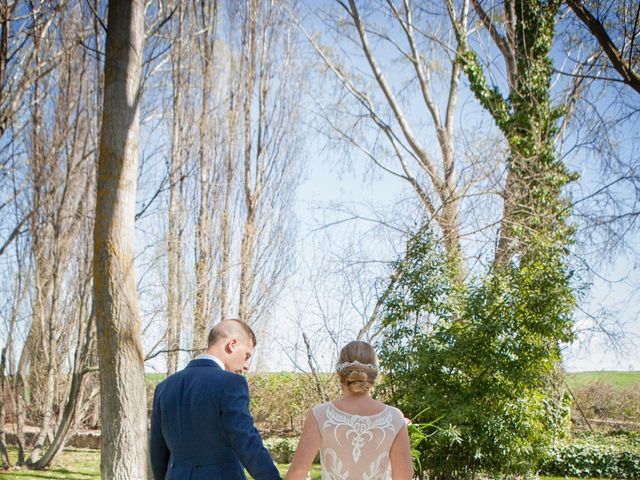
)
(617, 379)
(80, 464)
(73, 464)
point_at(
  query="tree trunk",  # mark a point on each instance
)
(174, 260)
(506, 240)
(45, 428)
(36, 360)
(248, 234)
(68, 415)
(4, 457)
(203, 233)
(225, 261)
(174, 240)
(20, 389)
(122, 383)
(19, 294)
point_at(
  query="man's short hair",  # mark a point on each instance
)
(231, 327)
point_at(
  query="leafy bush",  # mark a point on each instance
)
(281, 449)
(603, 456)
(280, 401)
(477, 364)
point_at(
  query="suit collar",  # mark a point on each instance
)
(203, 362)
(213, 358)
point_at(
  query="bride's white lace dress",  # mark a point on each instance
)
(356, 447)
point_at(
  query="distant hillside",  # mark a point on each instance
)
(617, 379)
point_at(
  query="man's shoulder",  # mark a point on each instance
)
(168, 380)
(211, 373)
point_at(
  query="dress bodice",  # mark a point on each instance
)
(356, 447)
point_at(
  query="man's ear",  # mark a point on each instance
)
(232, 345)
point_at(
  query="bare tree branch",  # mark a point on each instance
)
(624, 68)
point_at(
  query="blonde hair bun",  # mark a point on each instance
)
(357, 367)
(357, 376)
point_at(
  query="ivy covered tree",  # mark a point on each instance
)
(480, 358)
(535, 211)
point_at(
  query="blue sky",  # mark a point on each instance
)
(339, 183)
(326, 184)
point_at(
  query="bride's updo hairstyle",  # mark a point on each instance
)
(357, 366)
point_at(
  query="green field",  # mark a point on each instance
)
(617, 379)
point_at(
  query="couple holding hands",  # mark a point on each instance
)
(201, 427)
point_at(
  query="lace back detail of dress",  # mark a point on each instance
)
(356, 447)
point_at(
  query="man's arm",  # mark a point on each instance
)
(159, 452)
(242, 433)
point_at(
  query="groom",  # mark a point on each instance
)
(201, 427)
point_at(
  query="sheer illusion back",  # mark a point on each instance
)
(356, 447)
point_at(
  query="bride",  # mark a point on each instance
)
(358, 437)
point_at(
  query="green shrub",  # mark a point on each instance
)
(603, 456)
(477, 364)
(280, 401)
(281, 449)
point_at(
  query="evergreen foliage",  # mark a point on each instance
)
(477, 362)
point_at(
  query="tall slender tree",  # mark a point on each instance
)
(176, 166)
(207, 20)
(122, 383)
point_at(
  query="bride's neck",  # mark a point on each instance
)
(355, 396)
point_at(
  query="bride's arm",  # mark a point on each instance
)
(308, 446)
(400, 456)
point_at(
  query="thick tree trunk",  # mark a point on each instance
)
(115, 303)
(36, 360)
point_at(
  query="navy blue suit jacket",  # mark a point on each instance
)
(201, 427)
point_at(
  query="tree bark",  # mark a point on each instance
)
(174, 240)
(19, 392)
(203, 234)
(68, 415)
(247, 275)
(115, 303)
(45, 428)
(225, 234)
(4, 457)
